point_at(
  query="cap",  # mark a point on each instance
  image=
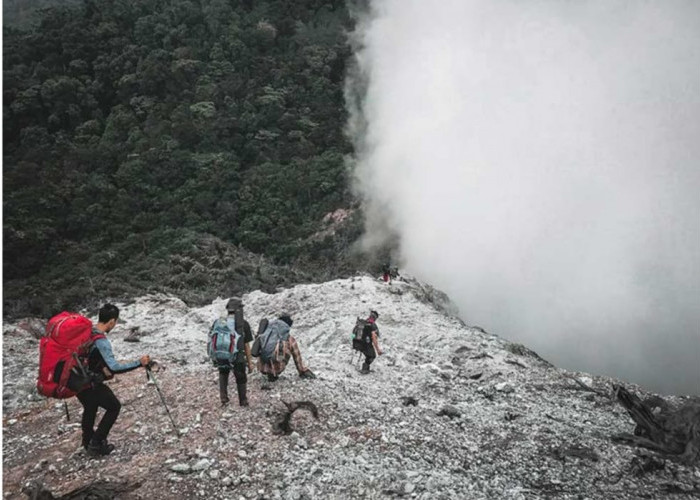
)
(287, 319)
(374, 313)
(234, 303)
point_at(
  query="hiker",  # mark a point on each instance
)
(238, 358)
(276, 347)
(386, 273)
(101, 361)
(367, 342)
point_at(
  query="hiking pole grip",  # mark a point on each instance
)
(149, 373)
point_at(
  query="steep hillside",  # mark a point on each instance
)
(449, 411)
(131, 127)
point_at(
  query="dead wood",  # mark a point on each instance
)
(481, 356)
(98, 490)
(669, 431)
(643, 465)
(409, 401)
(516, 363)
(586, 387)
(283, 426)
(576, 451)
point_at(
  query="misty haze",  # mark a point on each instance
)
(539, 162)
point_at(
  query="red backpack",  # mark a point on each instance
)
(63, 355)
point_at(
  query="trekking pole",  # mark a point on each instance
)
(65, 405)
(150, 376)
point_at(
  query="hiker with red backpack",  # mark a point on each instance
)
(275, 346)
(75, 358)
(229, 349)
(101, 361)
(366, 339)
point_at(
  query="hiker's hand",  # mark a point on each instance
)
(145, 360)
(250, 367)
(380, 352)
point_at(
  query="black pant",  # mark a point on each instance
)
(99, 396)
(366, 349)
(239, 372)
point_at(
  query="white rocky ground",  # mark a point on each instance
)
(492, 420)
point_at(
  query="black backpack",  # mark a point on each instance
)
(362, 331)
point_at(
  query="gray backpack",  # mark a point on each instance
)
(224, 342)
(277, 331)
(255, 350)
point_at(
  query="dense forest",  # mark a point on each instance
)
(185, 146)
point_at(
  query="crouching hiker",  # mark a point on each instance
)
(101, 361)
(277, 346)
(366, 339)
(229, 348)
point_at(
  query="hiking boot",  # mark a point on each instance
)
(271, 377)
(224, 402)
(86, 441)
(98, 448)
(242, 398)
(307, 374)
(365, 369)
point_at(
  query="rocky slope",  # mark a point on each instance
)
(449, 411)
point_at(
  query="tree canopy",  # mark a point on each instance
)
(132, 124)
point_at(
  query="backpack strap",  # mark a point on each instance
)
(212, 337)
(231, 323)
(78, 365)
(94, 337)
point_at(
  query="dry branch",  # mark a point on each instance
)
(587, 387)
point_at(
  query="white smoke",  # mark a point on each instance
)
(540, 162)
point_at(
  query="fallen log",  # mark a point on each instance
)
(674, 432)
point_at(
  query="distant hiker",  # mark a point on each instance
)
(366, 339)
(229, 348)
(277, 346)
(386, 273)
(101, 361)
